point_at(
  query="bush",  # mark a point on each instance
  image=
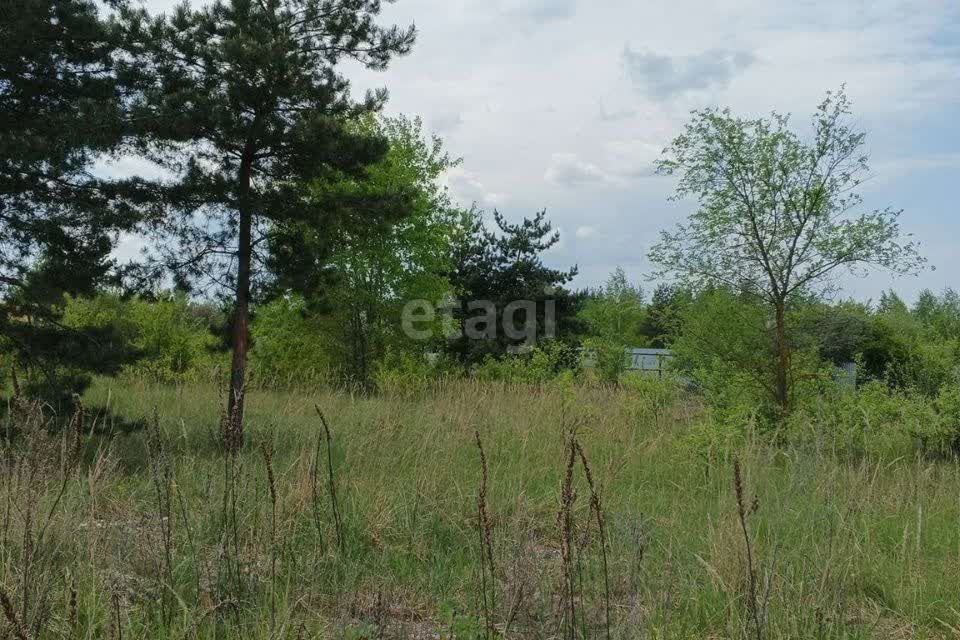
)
(941, 434)
(175, 343)
(903, 353)
(170, 336)
(289, 344)
(405, 372)
(650, 396)
(536, 366)
(607, 357)
(874, 420)
(712, 439)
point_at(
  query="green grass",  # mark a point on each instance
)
(849, 549)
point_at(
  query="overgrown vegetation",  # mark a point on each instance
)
(158, 534)
(442, 437)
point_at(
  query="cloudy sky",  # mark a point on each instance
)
(564, 105)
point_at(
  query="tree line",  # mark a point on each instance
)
(288, 221)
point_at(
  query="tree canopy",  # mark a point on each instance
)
(243, 104)
(61, 110)
(777, 214)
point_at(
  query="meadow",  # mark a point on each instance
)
(390, 524)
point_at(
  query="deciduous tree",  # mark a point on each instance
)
(777, 214)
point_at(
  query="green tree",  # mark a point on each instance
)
(777, 213)
(663, 317)
(724, 346)
(614, 318)
(60, 110)
(907, 353)
(242, 102)
(940, 313)
(291, 342)
(169, 335)
(372, 276)
(496, 268)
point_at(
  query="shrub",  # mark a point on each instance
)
(650, 396)
(405, 372)
(536, 366)
(874, 420)
(174, 342)
(941, 434)
(903, 353)
(607, 357)
(289, 344)
(171, 336)
(719, 434)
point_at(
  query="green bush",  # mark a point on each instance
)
(171, 336)
(614, 317)
(941, 434)
(606, 357)
(404, 372)
(290, 345)
(536, 366)
(711, 439)
(175, 343)
(873, 420)
(650, 396)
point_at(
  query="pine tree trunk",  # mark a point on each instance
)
(233, 435)
(782, 387)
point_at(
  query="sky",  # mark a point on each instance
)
(564, 105)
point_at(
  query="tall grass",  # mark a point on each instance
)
(153, 532)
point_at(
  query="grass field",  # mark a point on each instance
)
(153, 533)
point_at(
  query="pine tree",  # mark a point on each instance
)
(60, 109)
(242, 103)
(505, 266)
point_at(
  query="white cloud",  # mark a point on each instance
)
(663, 76)
(585, 231)
(467, 188)
(545, 108)
(568, 170)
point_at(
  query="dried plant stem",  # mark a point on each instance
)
(597, 507)
(567, 551)
(315, 491)
(184, 518)
(11, 615)
(271, 481)
(332, 485)
(118, 629)
(753, 604)
(231, 534)
(162, 477)
(73, 610)
(233, 421)
(485, 530)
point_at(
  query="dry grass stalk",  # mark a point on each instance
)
(315, 491)
(73, 609)
(11, 615)
(161, 474)
(331, 481)
(272, 484)
(485, 530)
(32, 468)
(117, 626)
(567, 551)
(753, 603)
(596, 506)
(232, 422)
(231, 528)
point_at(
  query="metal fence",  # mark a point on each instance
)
(656, 362)
(653, 362)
